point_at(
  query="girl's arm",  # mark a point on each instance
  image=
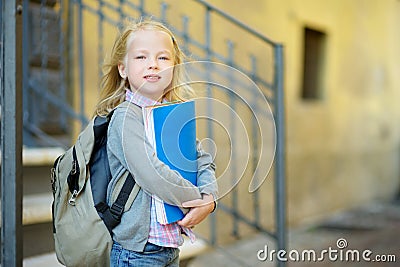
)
(127, 142)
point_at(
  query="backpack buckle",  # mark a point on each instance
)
(74, 169)
(117, 210)
(72, 200)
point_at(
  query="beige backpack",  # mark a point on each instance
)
(82, 220)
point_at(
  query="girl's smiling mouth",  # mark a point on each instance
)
(152, 77)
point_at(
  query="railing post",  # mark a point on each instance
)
(81, 65)
(121, 11)
(255, 145)
(26, 115)
(234, 141)
(101, 39)
(210, 130)
(163, 15)
(141, 7)
(280, 185)
(11, 133)
(61, 50)
(185, 34)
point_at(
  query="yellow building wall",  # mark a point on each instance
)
(342, 150)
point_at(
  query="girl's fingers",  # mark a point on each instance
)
(186, 221)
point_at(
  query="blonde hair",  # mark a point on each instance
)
(112, 85)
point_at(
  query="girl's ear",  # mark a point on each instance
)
(122, 71)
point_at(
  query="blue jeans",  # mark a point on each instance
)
(152, 256)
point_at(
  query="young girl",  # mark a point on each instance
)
(143, 71)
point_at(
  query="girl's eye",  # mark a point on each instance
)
(164, 58)
(140, 57)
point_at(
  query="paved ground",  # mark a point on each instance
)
(373, 230)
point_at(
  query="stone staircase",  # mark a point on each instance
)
(37, 199)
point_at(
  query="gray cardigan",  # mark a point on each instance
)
(128, 148)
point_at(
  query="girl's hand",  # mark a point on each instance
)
(199, 210)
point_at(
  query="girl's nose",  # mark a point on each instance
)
(153, 64)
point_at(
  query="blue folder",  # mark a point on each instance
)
(175, 140)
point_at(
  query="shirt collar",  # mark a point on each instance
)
(138, 99)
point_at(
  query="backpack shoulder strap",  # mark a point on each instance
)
(122, 197)
(126, 188)
(124, 193)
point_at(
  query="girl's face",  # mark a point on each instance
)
(149, 63)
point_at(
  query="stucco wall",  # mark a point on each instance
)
(342, 150)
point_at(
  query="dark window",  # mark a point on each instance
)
(314, 50)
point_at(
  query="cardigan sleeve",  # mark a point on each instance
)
(206, 180)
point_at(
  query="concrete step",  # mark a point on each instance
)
(40, 156)
(44, 260)
(37, 227)
(37, 224)
(190, 250)
(37, 163)
(37, 208)
(37, 200)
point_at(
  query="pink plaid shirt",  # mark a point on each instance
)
(169, 235)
